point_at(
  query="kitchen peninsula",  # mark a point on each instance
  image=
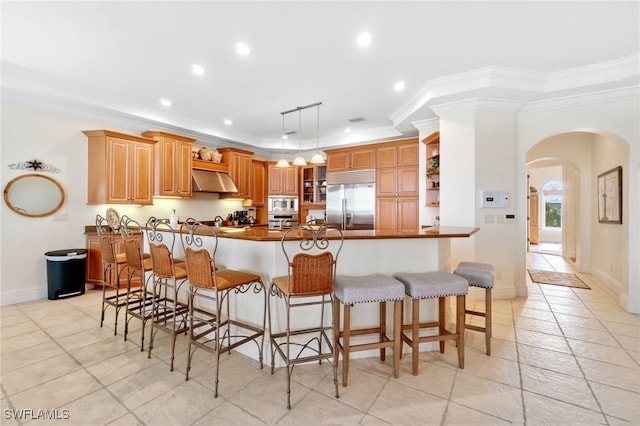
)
(259, 250)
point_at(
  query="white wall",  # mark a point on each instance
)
(608, 238)
(477, 152)
(57, 140)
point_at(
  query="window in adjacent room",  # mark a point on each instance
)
(552, 199)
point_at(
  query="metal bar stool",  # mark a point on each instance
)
(311, 264)
(368, 289)
(430, 285)
(209, 293)
(479, 275)
(139, 300)
(168, 276)
(112, 264)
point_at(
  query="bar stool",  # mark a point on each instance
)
(479, 275)
(139, 300)
(169, 312)
(208, 286)
(311, 264)
(112, 264)
(368, 289)
(428, 285)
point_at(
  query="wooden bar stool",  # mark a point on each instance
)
(368, 289)
(479, 275)
(428, 285)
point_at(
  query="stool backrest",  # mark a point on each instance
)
(107, 238)
(311, 261)
(161, 240)
(132, 239)
(199, 253)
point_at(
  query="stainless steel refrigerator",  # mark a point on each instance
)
(351, 206)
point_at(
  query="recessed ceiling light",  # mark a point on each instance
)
(399, 86)
(347, 129)
(197, 69)
(165, 102)
(364, 39)
(243, 49)
(285, 137)
(228, 122)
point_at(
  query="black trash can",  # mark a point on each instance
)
(66, 272)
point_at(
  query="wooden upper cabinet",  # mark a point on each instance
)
(393, 154)
(397, 182)
(240, 166)
(351, 159)
(258, 180)
(120, 168)
(397, 177)
(172, 164)
(283, 180)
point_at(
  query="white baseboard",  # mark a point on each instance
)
(606, 279)
(11, 297)
(615, 287)
(476, 293)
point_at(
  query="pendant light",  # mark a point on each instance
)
(299, 160)
(317, 157)
(282, 162)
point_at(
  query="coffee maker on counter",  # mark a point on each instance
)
(245, 216)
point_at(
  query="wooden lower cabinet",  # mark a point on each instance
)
(397, 214)
(94, 263)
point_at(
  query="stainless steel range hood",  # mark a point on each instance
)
(210, 181)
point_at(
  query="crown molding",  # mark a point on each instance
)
(477, 104)
(582, 99)
(521, 85)
(428, 125)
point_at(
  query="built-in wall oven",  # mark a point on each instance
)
(279, 203)
(283, 220)
(283, 212)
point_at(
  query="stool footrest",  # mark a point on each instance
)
(362, 331)
(475, 328)
(476, 313)
(446, 335)
(430, 324)
(366, 346)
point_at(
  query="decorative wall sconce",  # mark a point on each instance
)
(35, 165)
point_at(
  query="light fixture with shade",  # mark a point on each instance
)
(317, 157)
(299, 160)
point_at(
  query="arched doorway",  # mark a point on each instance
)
(598, 249)
(553, 185)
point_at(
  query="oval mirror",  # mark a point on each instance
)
(34, 195)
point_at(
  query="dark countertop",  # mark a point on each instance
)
(261, 233)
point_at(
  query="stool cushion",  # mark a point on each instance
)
(368, 288)
(433, 284)
(478, 274)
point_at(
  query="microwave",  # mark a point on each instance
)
(283, 204)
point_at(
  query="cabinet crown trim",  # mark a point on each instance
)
(158, 133)
(113, 134)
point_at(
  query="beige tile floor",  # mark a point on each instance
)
(561, 356)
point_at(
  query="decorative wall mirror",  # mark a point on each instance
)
(34, 195)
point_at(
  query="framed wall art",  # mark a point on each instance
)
(610, 196)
